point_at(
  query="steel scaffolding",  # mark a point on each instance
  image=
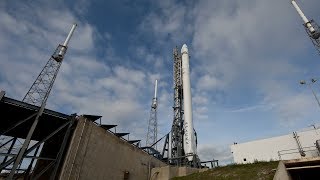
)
(177, 125)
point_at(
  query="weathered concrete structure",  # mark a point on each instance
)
(305, 168)
(168, 172)
(95, 153)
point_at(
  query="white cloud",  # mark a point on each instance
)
(263, 107)
(84, 83)
(208, 152)
(208, 82)
(294, 108)
(170, 21)
(242, 53)
(240, 50)
(199, 100)
(243, 44)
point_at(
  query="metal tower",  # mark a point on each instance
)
(314, 36)
(311, 27)
(153, 124)
(177, 126)
(39, 92)
(40, 89)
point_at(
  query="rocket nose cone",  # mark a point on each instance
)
(184, 48)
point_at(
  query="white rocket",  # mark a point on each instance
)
(189, 142)
(304, 18)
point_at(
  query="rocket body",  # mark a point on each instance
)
(189, 142)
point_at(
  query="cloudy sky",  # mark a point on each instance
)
(247, 58)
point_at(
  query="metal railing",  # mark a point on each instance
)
(297, 151)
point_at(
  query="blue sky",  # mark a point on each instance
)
(247, 59)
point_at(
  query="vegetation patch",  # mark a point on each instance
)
(254, 171)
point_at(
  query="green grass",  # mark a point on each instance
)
(259, 171)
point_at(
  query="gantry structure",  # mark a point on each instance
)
(152, 135)
(178, 117)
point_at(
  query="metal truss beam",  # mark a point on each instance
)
(9, 150)
(63, 145)
(19, 123)
(2, 93)
(24, 105)
(28, 157)
(5, 164)
(6, 142)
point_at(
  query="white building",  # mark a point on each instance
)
(291, 146)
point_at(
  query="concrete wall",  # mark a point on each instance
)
(96, 154)
(282, 173)
(267, 149)
(304, 168)
(168, 172)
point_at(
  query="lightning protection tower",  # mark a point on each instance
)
(178, 117)
(153, 124)
(311, 27)
(39, 92)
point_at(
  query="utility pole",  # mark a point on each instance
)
(303, 82)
